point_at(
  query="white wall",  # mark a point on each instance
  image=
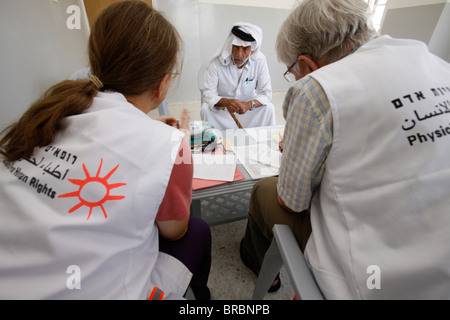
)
(204, 25)
(440, 41)
(37, 51)
(424, 20)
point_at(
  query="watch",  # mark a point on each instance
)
(253, 105)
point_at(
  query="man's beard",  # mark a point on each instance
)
(239, 62)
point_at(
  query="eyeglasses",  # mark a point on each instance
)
(173, 75)
(288, 75)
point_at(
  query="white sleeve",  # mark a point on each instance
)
(264, 85)
(210, 93)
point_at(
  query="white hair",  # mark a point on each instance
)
(326, 30)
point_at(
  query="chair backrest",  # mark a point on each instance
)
(163, 109)
(81, 74)
(284, 250)
(299, 273)
(201, 79)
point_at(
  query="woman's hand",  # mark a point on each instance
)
(169, 120)
(182, 124)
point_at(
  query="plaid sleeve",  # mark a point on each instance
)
(306, 143)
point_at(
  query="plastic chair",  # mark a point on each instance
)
(189, 295)
(201, 80)
(163, 109)
(284, 249)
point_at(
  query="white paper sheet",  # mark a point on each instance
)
(214, 167)
(259, 160)
(264, 134)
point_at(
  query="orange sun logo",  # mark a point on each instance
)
(93, 191)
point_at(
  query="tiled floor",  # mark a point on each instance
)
(230, 279)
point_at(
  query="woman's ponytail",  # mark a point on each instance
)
(39, 124)
(131, 48)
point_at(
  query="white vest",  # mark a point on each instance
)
(77, 218)
(381, 220)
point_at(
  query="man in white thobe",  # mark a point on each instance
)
(237, 82)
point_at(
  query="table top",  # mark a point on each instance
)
(241, 137)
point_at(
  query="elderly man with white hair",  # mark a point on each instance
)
(237, 83)
(364, 177)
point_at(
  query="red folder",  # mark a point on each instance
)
(201, 183)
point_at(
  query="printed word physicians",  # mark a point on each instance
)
(238, 81)
(118, 208)
(354, 190)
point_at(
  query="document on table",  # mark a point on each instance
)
(214, 167)
(264, 134)
(259, 160)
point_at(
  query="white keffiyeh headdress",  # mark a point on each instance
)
(241, 34)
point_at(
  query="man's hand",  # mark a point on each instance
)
(283, 205)
(234, 106)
